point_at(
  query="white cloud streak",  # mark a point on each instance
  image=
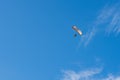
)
(92, 74)
(108, 20)
(88, 36)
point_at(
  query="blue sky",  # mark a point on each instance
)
(37, 42)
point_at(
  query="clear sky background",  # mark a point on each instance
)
(37, 42)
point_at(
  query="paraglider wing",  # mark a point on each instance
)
(77, 30)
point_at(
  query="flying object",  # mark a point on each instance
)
(77, 30)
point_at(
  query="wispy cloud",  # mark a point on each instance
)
(88, 36)
(92, 74)
(108, 20)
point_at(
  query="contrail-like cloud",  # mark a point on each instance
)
(108, 20)
(110, 17)
(92, 74)
(88, 36)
